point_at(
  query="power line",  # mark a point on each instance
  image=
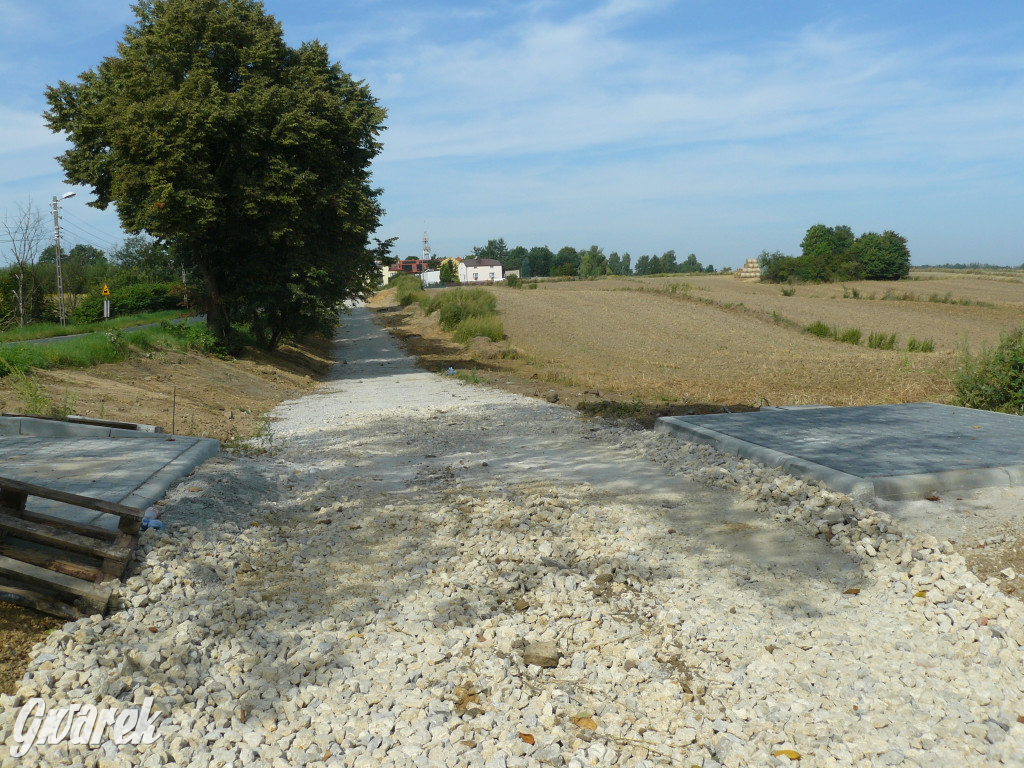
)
(85, 236)
(93, 233)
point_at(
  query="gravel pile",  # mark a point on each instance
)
(398, 587)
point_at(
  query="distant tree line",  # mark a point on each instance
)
(830, 254)
(28, 282)
(541, 261)
(972, 265)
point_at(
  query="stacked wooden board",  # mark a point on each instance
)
(57, 565)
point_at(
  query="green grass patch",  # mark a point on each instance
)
(111, 346)
(878, 340)
(924, 345)
(823, 330)
(994, 378)
(850, 336)
(457, 304)
(408, 289)
(470, 327)
(789, 291)
(49, 330)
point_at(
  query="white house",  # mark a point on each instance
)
(431, 277)
(480, 271)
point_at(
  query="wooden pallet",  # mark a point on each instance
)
(59, 566)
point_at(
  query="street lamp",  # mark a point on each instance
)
(56, 237)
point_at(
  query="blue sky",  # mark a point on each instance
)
(709, 127)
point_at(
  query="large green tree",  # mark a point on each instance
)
(250, 157)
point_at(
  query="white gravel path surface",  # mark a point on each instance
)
(368, 592)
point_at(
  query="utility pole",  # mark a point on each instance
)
(56, 237)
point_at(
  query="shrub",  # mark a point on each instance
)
(130, 300)
(470, 327)
(532, 286)
(789, 291)
(513, 281)
(994, 379)
(878, 340)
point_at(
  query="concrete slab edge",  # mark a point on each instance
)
(17, 425)
(903, 487)
(154, 488)
(853, 485)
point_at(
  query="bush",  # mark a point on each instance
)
(130, 300)
(789, 291)
(878, 340)
(994, 380)
(513, 281)
(471, 327)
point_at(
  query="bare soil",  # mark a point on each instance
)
(199, 394)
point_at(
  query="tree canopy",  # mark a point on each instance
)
(834, 253)
(250, 158)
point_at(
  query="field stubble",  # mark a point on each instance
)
(722, 340)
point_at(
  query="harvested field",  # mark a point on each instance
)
(709, 339)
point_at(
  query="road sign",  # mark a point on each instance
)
(105, 291)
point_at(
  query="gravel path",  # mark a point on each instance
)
(369, 590)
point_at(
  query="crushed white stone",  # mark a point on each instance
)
(363, 593)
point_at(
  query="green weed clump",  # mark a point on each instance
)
(408, 289)
(850, 336)
(470, 327)
(878, 340)
(789, 291)
(924, 345)
(824, 330)
(454, 306)
(993, 379)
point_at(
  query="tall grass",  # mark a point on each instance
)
(471, 327)
(826, 331)
(994, 378)
(455, 305)
(467, 312)
(408, 289)
(879, 340)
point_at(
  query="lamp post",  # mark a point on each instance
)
(56, 238)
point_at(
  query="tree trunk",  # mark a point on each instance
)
(216, 312)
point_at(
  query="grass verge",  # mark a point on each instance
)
(97, 348)
(49, 330)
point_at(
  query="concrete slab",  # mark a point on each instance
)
(133, 468)
(880, 451)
